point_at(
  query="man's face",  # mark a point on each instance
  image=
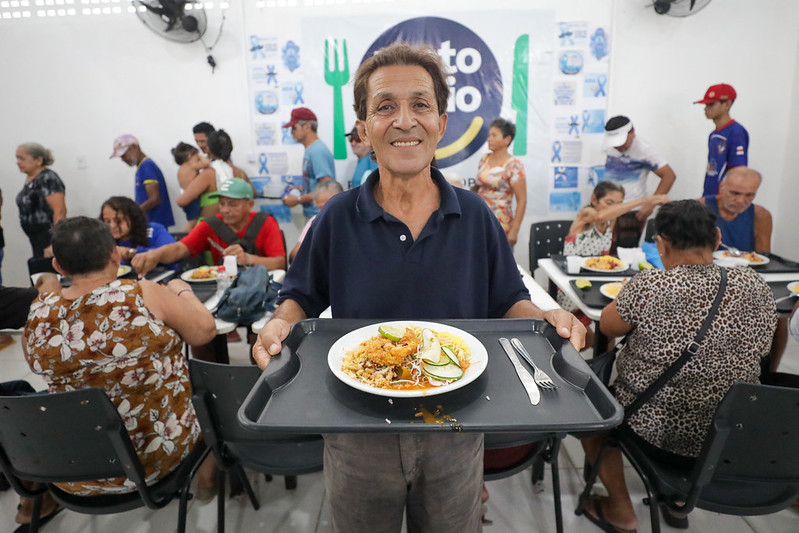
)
(402, 123)
(235, 211)
(716, 109)
(737, 192)
(202, 142)
(628, 142)
(359, 148)
(130, 156)
(299, 131)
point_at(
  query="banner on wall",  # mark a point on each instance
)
(549, 78)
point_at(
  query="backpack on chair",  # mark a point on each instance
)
(249, 297)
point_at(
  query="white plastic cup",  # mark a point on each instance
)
(573, 264)
(231, 267)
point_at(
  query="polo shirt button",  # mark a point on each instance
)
(403, 237)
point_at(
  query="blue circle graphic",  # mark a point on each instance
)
(475, 81)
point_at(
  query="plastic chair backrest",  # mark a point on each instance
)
(67, 436)
(754, 435)
(546, 239)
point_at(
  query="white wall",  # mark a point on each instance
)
(75, 84)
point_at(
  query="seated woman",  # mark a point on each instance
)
(130, 229)
(138, 361)
(661, 312)
(591, 233)
(191, 164)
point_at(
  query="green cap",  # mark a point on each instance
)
(234, 188)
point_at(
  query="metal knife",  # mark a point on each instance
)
(216, 245)
(524, 375)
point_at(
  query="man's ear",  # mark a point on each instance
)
(58, 268)
(361, 126)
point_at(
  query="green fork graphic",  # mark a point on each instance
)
(337, 78)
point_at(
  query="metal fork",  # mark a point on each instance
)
(541, 378)
(337, 78)
(734, 252)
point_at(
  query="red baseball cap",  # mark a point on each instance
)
(298, 114)
(718, 93)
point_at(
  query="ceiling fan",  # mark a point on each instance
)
(679, 8)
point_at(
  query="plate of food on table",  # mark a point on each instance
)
(604, 263)
(611, 290)
(753, 258)
(203, 274)
(407, 359)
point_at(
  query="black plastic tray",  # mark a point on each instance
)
(777, 265)
(297, 393)
(780, 289)
(591, 296)
(560, 261)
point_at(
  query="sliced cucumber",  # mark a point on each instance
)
(450, 353)
(431, 348)
(392, 333)
(449, 371)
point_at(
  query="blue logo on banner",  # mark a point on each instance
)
(266, 102)
(291, 56)
(571, 62)
(475, 81)
(599, 44)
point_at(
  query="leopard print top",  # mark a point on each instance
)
(666, 310)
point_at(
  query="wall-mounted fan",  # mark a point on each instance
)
(183, 21)
(678, 8)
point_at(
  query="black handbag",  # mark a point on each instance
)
(605, 365)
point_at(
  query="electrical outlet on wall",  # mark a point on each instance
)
(82, 162)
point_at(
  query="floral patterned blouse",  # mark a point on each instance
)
(495, 187)
(108, 339)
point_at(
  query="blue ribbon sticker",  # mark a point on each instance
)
(601, 81)
(556, 152)
(271, 76)
(574, 125)
(256, 48)
(262, 160)
(586, 119)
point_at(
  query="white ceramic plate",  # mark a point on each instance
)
(122, 270)
(794, 288)
(186, 276)
(608, 291)
(620, 268)
(757, 261)
(335, 358)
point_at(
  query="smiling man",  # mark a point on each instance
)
(743, 224)
(254, 238)
(405, 244)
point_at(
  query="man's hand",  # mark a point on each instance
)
(144, 262)
(48, 282)
(642, 214)
(291, 199)
(269, 341)
(237, 251)
(567, 326)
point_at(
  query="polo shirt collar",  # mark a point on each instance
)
(369, 210)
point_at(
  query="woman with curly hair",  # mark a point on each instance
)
(130, 229)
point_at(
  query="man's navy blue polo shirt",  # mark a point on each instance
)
(364, 263)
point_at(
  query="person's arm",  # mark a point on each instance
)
(667, 178)
(171, 253)
(180, 309)
(153, 196)
(270, 338)
(566, 324)
(763, 226)
(197, 187)
(58, 205)
(245, 259)
(519, 188)
(611, 323)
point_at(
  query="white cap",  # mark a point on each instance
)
(616, 131)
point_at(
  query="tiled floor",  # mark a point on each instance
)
(513, 505)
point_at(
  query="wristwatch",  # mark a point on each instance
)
(131, 252)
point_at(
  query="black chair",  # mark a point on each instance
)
(748, 465)
(218, 392)
(546, 239)
(40, 264)
(524, 451)
(80, 436)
